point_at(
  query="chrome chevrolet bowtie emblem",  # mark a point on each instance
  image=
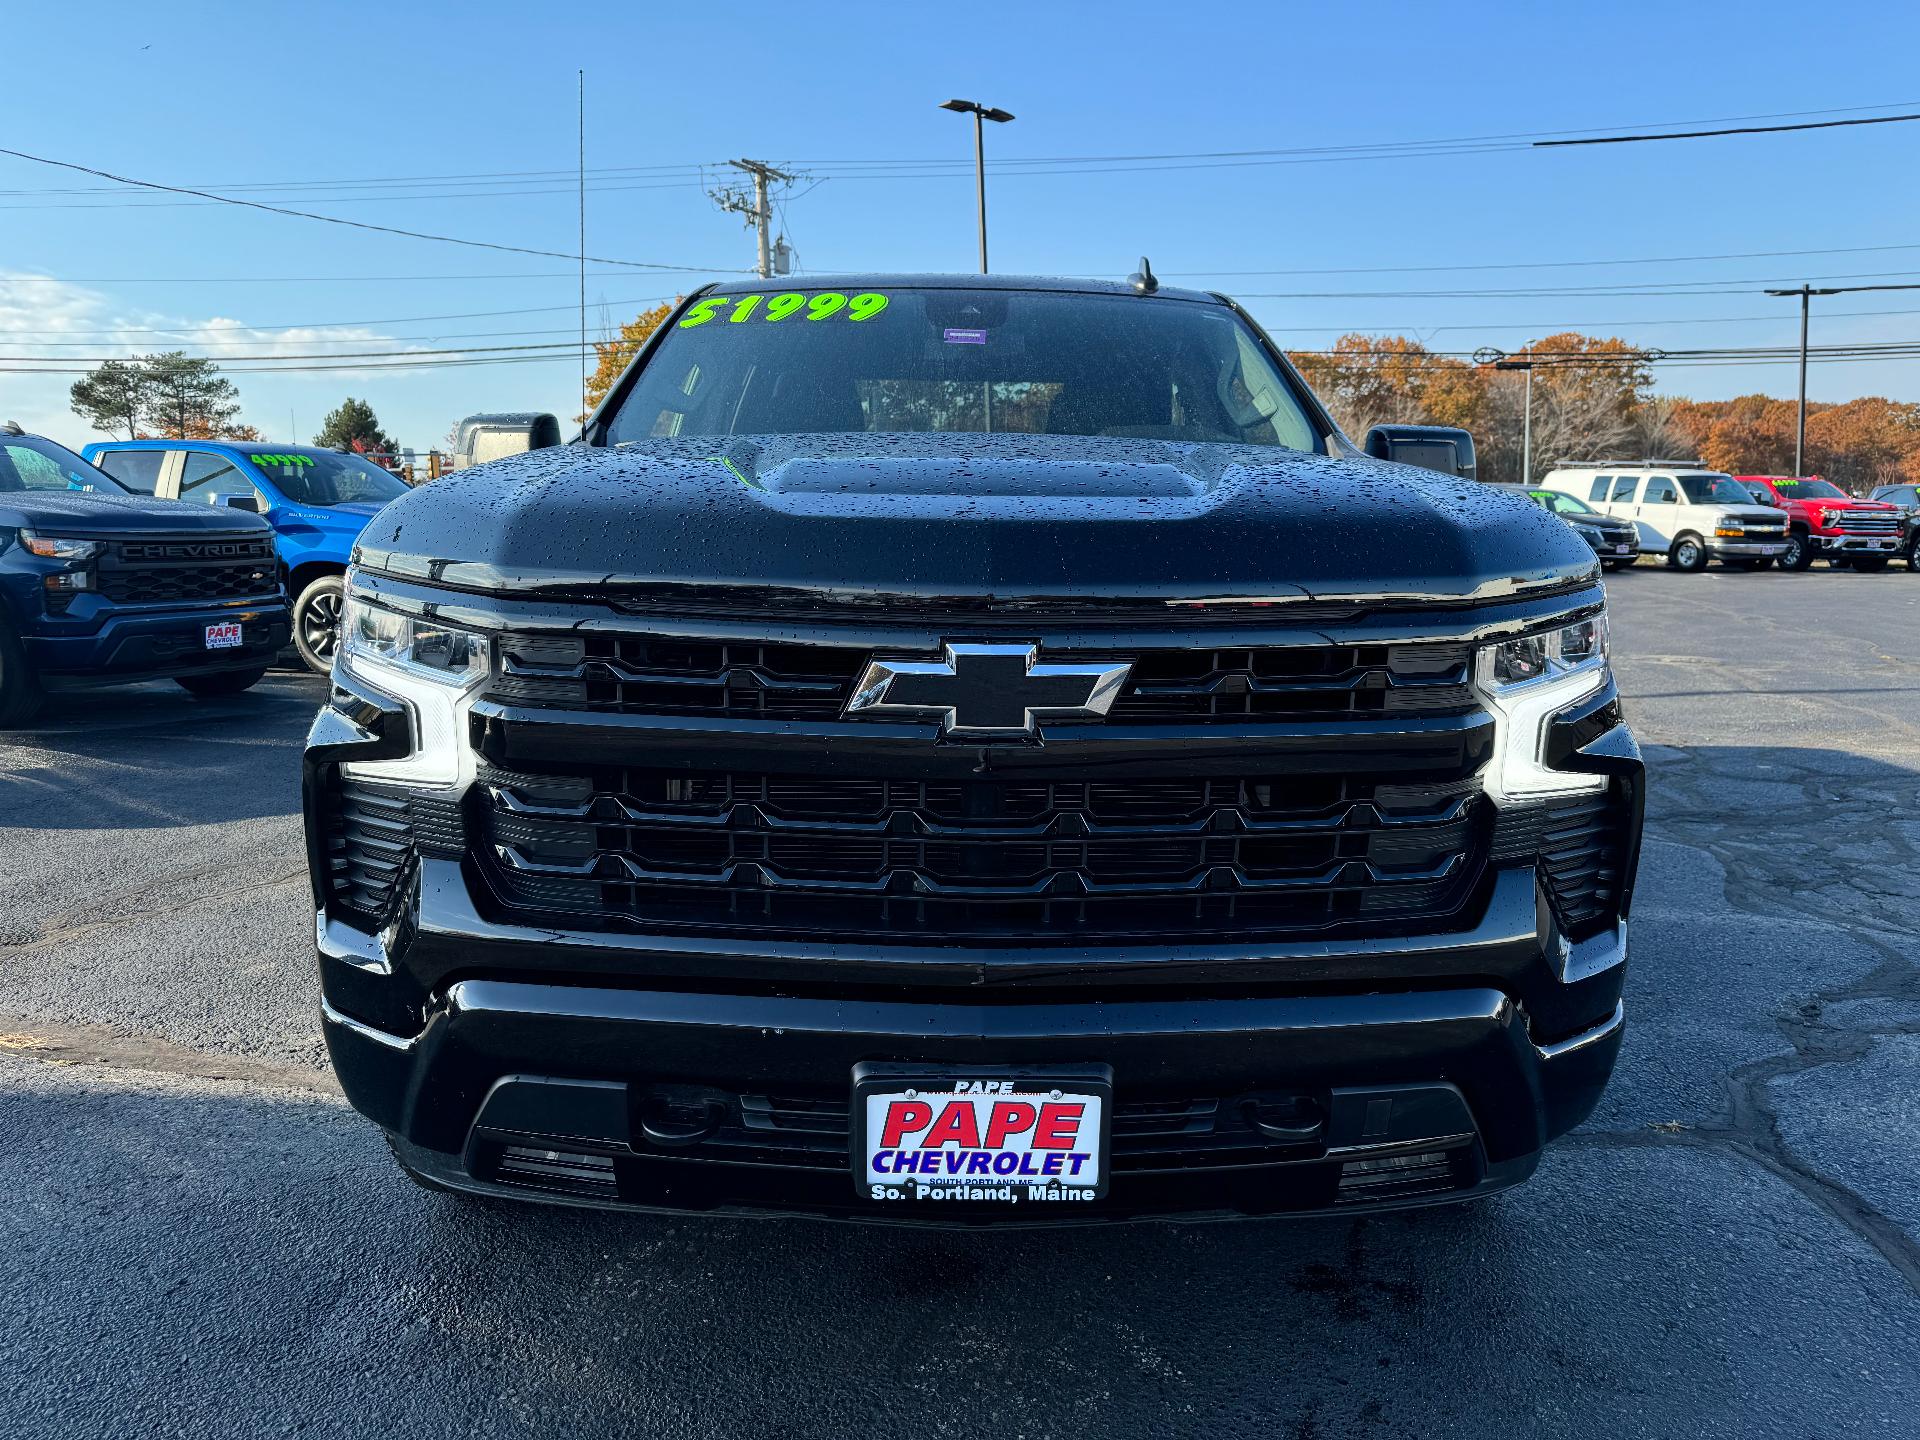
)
(986, 690)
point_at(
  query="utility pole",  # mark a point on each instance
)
(980, 113)
(758, 210)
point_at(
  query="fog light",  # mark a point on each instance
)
(69, 581)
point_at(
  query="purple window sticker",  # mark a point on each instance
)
(964, 337)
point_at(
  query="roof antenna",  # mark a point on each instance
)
(1143, 280)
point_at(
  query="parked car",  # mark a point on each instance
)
(101, 587)
(1680, 510)
(317, 501)
(1907, 498)
(970, 749)
(1824, 520)
(1616, 542)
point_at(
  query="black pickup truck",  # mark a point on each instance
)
(102, 587)
(970, 750)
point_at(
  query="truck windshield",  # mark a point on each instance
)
(29, 463)
(327, 477)
(963, 361)
(1809, 490)
(1719, 489)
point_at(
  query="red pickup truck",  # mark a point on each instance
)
(1822, 519)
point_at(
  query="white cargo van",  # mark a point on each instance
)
(1682, 510)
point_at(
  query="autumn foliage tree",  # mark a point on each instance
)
(1592, 400)
(1585, 393)
(616, 352)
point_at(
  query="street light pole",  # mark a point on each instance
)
(1526, 424)
(1806, 293)
(980, 113)
(980, 181)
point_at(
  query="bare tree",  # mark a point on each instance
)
(1655, 431)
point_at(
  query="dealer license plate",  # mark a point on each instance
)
(1024, 1136)
(224, 636)
(1623, 549)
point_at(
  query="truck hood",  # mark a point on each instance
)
(87, 512)
(997, 516)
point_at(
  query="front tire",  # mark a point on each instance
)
(1799, 554)
(1913, 554)
(20, 692)
(316, 622)
(227, 682)
(1689, 554)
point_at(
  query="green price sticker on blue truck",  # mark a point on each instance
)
(771, 309)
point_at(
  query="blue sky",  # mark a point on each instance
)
(225, 96)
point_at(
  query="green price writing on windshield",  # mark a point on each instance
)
(771, 309)
(267, 461)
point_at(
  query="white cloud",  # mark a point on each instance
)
(75, 326)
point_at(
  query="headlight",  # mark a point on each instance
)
(431, 667)
(53, 547)
(374, 638)
(1526, 683)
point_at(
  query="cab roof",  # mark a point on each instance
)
(1060, 284)
(244, 447)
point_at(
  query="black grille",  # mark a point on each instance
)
(924, 861)
(371, 834)
(1583, 844)
(649, 675)
(150, 572)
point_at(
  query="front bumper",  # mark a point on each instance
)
(1424, 1097)
(134, 645)
(1855, 544)
(1615, 547)
(1746, 549)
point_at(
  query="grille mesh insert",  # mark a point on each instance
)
(923, 861)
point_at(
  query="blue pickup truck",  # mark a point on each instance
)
(318, 501)
(102, 587)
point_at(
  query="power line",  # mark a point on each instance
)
(1735, 130)
(698, 169)
(340, 220)
(388, 198)
(281, 279)
(184, 330)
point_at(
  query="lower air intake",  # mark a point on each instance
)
(568, 1171)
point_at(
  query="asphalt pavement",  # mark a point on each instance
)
(199, 1238)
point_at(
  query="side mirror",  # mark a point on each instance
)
(247, 502)
(1431, 447)
(494, 437)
